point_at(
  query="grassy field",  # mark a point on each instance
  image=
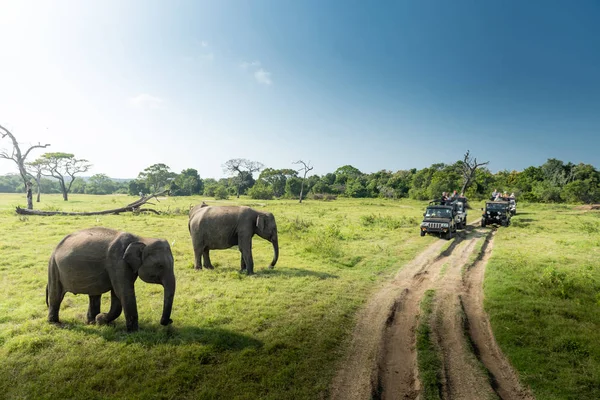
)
(278, 334)
(281, 333)
(543, 295)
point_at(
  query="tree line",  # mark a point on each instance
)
(553, 181)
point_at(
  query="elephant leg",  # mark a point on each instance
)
(198, 250)
(245, 246)
(130, 308)
(55, 297)
(242, 263)
(207, 263)
(113, 313)
(94, 308)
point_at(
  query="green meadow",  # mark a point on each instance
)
(281, 333)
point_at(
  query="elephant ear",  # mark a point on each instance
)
(133, 255)
(260, 223)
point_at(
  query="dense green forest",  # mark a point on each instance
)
(554, 181)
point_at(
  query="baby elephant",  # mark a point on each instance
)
(96, 260)
(222, 227)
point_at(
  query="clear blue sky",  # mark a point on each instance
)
(379, 85)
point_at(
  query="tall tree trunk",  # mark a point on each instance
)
(301, 190)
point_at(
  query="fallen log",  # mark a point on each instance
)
(133, 207)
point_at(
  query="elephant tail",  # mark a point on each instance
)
(47, 305)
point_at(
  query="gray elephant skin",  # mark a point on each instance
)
(222, 227)
(97, 260)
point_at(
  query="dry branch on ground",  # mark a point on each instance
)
(133, 207)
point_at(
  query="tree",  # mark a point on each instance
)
(306, 168)
(187, 183)
(276, 178)
(469, 166)
(100, 184)
(261, 191)
(17, 156)
(61, 166)
(35, 169)
(242, 170)
(156, 177)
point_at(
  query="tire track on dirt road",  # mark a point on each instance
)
(504, 380)
(382, 358)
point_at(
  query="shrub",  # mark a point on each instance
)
(261, 192)
(221, 193)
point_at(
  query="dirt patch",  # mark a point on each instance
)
(463, 376)
(358, 377)
(504, 380)
(382, 359)
(588, 207)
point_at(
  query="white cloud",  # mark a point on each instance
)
(251, 64)
(262, 76)
(204, 43)
(145, 100)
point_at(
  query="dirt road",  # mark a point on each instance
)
(382, 359)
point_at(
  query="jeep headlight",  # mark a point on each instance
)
(488, 212)
(425, 224)
(444, 225)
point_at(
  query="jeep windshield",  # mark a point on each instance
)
(496, 206)
(438, 213)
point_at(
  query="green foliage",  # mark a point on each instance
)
(187, 183)
(221, 193)
(261, 191)
(277, 178)
(156, 177)
(292, 187)
(100, 184)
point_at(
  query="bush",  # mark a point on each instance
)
(221, 193)
(261, 192)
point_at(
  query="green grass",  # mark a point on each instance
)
(543, 295)
(279, 334)
(428, 358)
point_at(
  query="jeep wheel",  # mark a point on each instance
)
(422, 233)
(449, 234)
(483, 223)
(504, 223)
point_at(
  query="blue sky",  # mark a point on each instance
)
(386, 85)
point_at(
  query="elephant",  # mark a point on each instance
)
(95, 260)
(222, 227)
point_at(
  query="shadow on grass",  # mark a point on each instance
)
(296, 273)
(151, 335)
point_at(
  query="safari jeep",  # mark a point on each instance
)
(512, 206)
(440, 219)
(461, 212)
(496, 212)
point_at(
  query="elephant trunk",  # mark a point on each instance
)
(169, 286)
(275, 252)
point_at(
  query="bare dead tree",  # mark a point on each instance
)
(35, 170)
(306, 168)
(242, 169)
(16, 155)
(469, 166)
(133, 207)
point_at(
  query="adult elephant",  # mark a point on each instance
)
(97, 260)
(222, 227)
